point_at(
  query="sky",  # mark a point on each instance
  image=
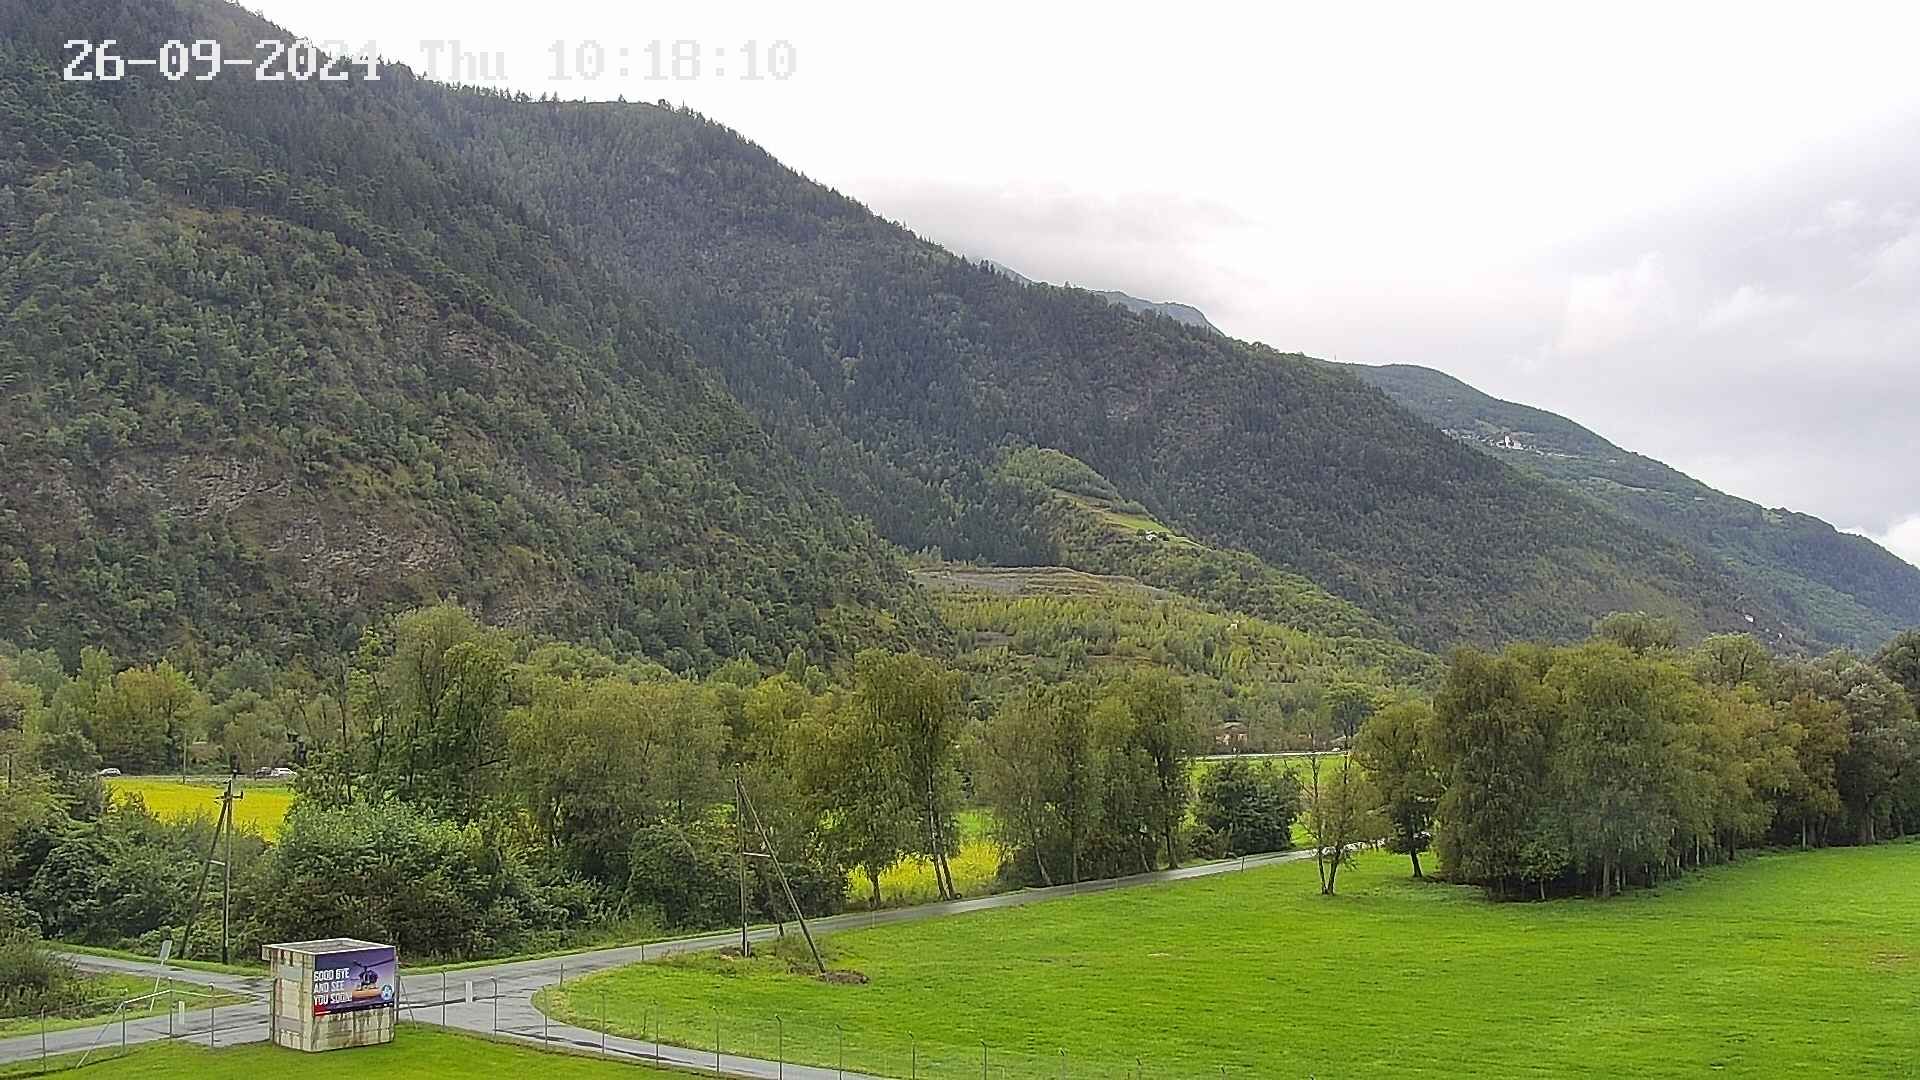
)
(1693, 228)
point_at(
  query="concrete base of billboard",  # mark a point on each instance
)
(304, 1019)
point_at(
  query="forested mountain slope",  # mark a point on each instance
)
(276, 362)
(897, 370)
(1843, 589)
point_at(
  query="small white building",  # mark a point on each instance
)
(333, 993)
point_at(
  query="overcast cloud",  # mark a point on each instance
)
(1692, 228)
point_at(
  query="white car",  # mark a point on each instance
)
(109, 772)
(281, 773)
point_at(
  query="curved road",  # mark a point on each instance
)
(498, 998)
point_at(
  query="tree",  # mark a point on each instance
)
(1637, 631)
(1340, 815)
(1609, 759)
(1817, 730)
(1348, 706)
(1491, 740)
(914, 705)
(434, 689)
(147, 717)
(1731, 660)
(855, 770)
(1164, 731)
(1249, 805)
(1015, 775)
(1900, 659)
(1392, 748)
(581, 765)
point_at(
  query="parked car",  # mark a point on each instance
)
(281, 773)
(109, 772)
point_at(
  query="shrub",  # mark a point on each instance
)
(1250, 806)
(32, 977)
(391, 872)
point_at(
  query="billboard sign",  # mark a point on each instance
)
(351, 981)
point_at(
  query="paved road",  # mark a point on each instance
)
(501, 998)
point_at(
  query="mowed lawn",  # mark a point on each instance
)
(416, 1052)
(1799, 964)
(261, 807)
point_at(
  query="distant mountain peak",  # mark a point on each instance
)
(1178, 312)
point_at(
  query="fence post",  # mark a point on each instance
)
(496, 1004)
(843, 1050)
(716, 1042)
(43, 1036)
(913, 1057)
(123, 1028)
(212, 1026)
(443, 999)
(983, 1059)
(780, 1045)
(1063, 1063)
(603, 1022)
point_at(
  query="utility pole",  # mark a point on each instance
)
(226, 875)
(740, 850)
(766, 841)
(224, 824)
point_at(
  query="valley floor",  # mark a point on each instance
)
(1795, 964)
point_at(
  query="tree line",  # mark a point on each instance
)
(468, 791)
(1625, 760)
(464, 790)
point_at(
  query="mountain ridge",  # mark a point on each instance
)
(899, 369)
(1847, 588)
(277, 365)
(757, 375)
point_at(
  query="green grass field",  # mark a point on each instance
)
(417, 1053)
(261, 807)
(1783, 965)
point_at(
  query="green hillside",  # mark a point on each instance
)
(282, 356)
(277, 362)
(899, 371)
(1842, 589)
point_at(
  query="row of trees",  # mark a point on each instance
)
(471, 792)
(1624, 760)
(1089, 779)
(540, 786)
(157, 717)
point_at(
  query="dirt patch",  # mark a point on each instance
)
(844, 978)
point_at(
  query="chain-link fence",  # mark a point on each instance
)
(114, 1027)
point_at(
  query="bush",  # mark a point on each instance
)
(688, 877)
(1249, 806)
(390, 872)
(32, 977)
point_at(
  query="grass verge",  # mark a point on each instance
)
(108, 992)
(417, 1053)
